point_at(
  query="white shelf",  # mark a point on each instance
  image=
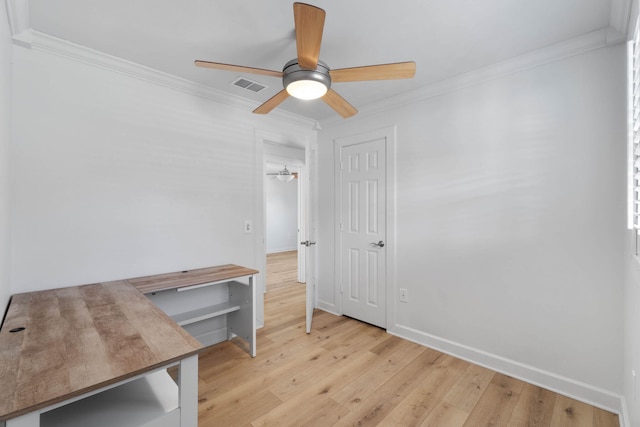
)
(231, 310)
(204, 313)
(148, 401)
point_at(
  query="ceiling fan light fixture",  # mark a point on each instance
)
(306, 84)
(306, 89)
(285, 178)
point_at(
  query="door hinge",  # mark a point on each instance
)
(341, 227)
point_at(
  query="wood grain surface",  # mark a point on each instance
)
(79, 339)
(182, 279)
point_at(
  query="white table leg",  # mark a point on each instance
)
(252, 339)
(188, 383)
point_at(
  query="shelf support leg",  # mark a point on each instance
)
(252, 339)
(188, 384)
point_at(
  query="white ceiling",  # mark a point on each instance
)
(445, 38)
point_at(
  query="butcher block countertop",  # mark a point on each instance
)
(79, 339)
(183, 279)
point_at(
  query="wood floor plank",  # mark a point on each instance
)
(335, 359)
(602, 418)
(247, 407)
(348, 373)
(326, 414)
(472, 383)
(261, 371)
(494, 408)
(313, 397)
(391, 361)
(233, 393)
(534, 407)
(445, 415)
(373, 409)
(568, 412)
(387, 346)
(418, 404)
(509, 384)
(347, 334)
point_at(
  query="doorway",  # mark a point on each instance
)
(282, 208)
(284, 201)
(301, 159)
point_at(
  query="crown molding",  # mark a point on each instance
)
(586, 42)
(18, 15)
(40, 41)
(619, 16)
(43, 42)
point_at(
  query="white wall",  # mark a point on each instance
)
(282, 215)
(632, 335)
(510, 222)
(5, 137)
(119, 177)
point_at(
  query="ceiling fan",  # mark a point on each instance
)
(284, 175)
(306, 77)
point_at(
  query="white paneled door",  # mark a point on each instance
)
(363, 230)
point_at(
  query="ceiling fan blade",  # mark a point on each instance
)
(399, 70)
(339, 104)
(272, 102)
(239, 68)
(309, 22)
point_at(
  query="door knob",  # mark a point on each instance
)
(380, 244)
(307, 243)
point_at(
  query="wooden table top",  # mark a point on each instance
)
(80, 339)
(183, 279)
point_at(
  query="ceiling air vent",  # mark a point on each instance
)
(245, 83)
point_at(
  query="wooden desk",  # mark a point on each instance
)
(235, 307)
(189, 278)
(84, 340)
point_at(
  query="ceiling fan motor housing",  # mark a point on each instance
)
(292, 72)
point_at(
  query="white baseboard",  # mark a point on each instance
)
(589, 394)
(329, 308)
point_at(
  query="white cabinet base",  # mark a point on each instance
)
(148, 401)
(152, 400)
(213, 312)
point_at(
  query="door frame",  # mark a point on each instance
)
(389, 136)
(290, 140)
(303, 217)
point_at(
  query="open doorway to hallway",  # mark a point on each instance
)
(298, 157)
(282, 221)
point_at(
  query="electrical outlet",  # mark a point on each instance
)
(248, 226)
(404, 297)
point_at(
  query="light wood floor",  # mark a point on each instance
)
(348, 373)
